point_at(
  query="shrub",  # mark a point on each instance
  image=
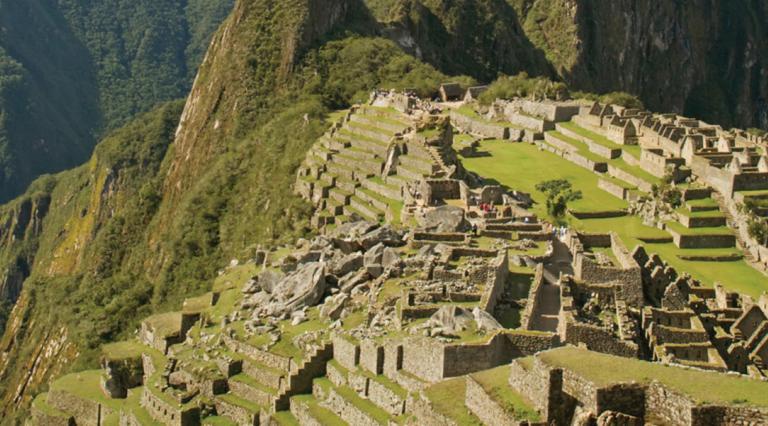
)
(559, 193)
(521, 86)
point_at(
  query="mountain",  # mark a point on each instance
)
(168, 199)
(72, 69)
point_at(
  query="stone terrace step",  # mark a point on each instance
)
(410, 174)
(267, 376)
(373, 198)
(368, 210)
(340, 170)
(308, 412)
(239, 410)
(363, 142)
(385, 189)
(389, 114)
(248, 388)
(347, 404)
(351, 212)
(363, 165)
(333, 207)
(371, 132)
(358, 153)
(383, 123)
(417, 164)
(341, 196)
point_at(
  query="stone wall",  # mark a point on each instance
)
(85, 412)
(668, 405)
(424, 358)
(372, 357)
(613, 189)
(495, 282)
(267, 358)
(575, 158)
(345, 352)
(620, 174)
(541, 385)
(167, 413)
(533, 298)
(421, 408)
(598, 340)
(483, 406)
(479, 127)
(239, 414)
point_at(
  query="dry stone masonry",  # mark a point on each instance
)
(428, 296)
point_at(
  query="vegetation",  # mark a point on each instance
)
(559, 193)
(703, 387)
(109, 61)
(521, 85)
(614, 98)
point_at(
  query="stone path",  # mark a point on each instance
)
(545, 318)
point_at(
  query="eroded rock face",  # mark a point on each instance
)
(384, 235)
(445, 219)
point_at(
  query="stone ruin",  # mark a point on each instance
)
(415, 288)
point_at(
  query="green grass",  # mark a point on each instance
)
(521, 166)
(325, 416)
(130, 349)
(240, 402)
(708, 213)
(736, 275)
(633, 150)
(40, 403)
(495, 383)
(447, 398)
(218, 421)
(285, 418)
(371, 409)
(86, 385)
(165, 325)
(704, 202)
(677, 227)
(703, 387)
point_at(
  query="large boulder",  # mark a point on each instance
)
(445, 219)
(373, 260)
(448, 321)
(304, 287)
(268, 279)
(384, 235)
(346, 264)
(485, 321)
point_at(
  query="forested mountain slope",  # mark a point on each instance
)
(72, 69)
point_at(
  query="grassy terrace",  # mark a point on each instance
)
(447, 398)
(722, 230)
(495, 384)
(467, 111)
(633, 150)
(619, 163)
(323, 415)
(703, 387)
(522, 166)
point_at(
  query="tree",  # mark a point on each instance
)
(758, 229)
(559, 193)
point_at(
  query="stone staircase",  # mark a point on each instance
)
(344, 176)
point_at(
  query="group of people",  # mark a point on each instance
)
(559, 231)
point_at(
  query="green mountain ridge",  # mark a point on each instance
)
(72, 69)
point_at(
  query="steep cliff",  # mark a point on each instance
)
(705, 58)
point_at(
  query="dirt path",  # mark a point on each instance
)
(545, 317)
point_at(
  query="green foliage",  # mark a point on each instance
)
(559, 193)
(758, 229)
(667, 192)
(624, 99)
(71, 70)
(521, 85)
(348, 69)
